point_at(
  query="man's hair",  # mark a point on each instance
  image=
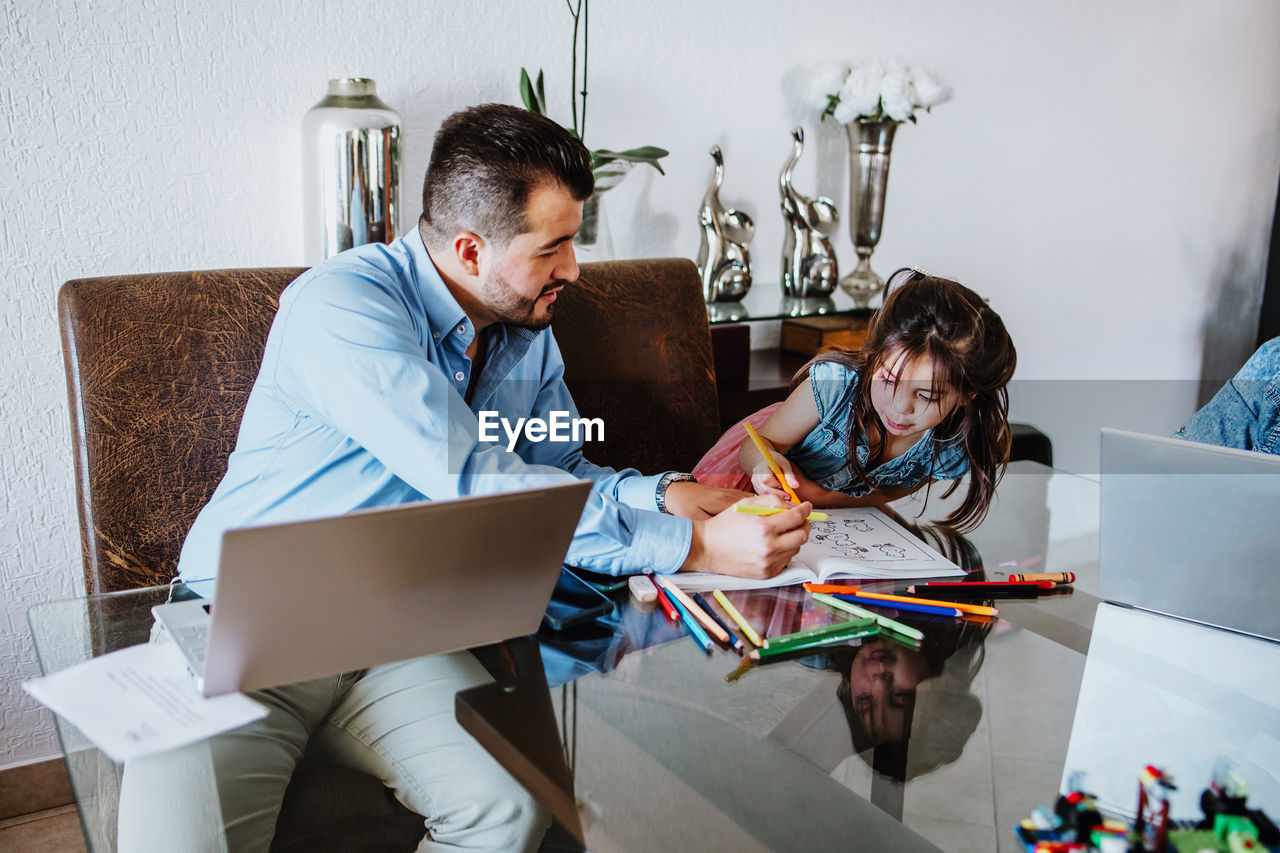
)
(485, 163)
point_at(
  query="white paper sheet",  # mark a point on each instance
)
(138, 701)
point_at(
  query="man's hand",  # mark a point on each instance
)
(748, 546)
(696, 501)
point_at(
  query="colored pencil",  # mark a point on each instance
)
(1056, 577)
(973, 609)
(965, 593)
(773, 465)
(883, 621)
(695, 630)
(985, 584)
(779, 648)
(737, 617)
(665, 603)
(931, 609)
(679, 595)
(710, 611)
(821, 631)
(774, 510)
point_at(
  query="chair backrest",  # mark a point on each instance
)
(637, 353)
(159, 369)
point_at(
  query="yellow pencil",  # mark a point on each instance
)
(773, 466)
(737, 618)
(774, 510)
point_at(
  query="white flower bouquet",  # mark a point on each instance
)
(875, 90)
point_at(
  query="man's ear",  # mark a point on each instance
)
(468, 248)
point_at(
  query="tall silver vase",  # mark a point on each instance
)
(351, 170)
(870, 144)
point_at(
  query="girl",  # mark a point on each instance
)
(924, 399)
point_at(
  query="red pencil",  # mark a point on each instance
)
(998, 584)
(666, 605)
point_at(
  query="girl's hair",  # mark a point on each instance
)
(972, 353)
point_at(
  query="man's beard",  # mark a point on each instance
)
(511, 307)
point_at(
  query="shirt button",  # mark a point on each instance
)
(435, 335)
(462, 330)
(459, 376)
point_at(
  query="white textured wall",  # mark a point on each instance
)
(1104, 175)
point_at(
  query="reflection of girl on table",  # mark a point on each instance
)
(936, 405)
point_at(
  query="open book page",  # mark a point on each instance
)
(861, 542)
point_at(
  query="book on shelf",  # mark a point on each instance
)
(857, 543)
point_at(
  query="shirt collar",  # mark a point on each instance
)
(442, 309)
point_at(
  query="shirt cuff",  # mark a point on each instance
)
(660, 541)
(640, 492)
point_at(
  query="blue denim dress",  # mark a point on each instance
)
(1245, 413)
(823, 454)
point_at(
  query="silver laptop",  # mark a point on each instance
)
(313, 598)
(1191, 530)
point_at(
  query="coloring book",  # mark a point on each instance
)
(860, 542)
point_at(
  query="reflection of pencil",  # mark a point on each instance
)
(737, 617)
(820, 631)
(774, 510)
(769, 460)
(679, 597)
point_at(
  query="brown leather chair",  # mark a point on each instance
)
(159, 369)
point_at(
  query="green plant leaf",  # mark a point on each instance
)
(527, 93)
(542, 94)
(650, 154)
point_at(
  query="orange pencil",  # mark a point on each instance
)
(773, 466)
(963, 607)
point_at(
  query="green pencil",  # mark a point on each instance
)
(777, 648)
(883, 621)
(820, 631)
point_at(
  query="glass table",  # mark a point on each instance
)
(765, 301)
(636, 739)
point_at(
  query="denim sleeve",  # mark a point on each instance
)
(952, 463)
(1245, 413)
(356, 361)
(833, 386)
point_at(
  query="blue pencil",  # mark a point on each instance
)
(901, 605)
(695, 630)
(733, 638)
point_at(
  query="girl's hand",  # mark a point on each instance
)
(764, 482)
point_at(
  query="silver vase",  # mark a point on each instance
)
(870, 144)
(351, 170)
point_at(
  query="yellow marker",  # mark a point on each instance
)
(773, 466)
(737, 618)
(774, 510)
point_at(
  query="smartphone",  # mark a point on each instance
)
(574, 602)
(605, 583)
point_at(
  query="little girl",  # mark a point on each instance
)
(924, 399)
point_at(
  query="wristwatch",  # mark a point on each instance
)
(660, 494)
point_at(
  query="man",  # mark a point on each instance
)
(1245, 413)
(376, 367)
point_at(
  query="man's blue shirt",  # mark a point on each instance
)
(360, 402)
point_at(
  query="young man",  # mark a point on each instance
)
(375, 371)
